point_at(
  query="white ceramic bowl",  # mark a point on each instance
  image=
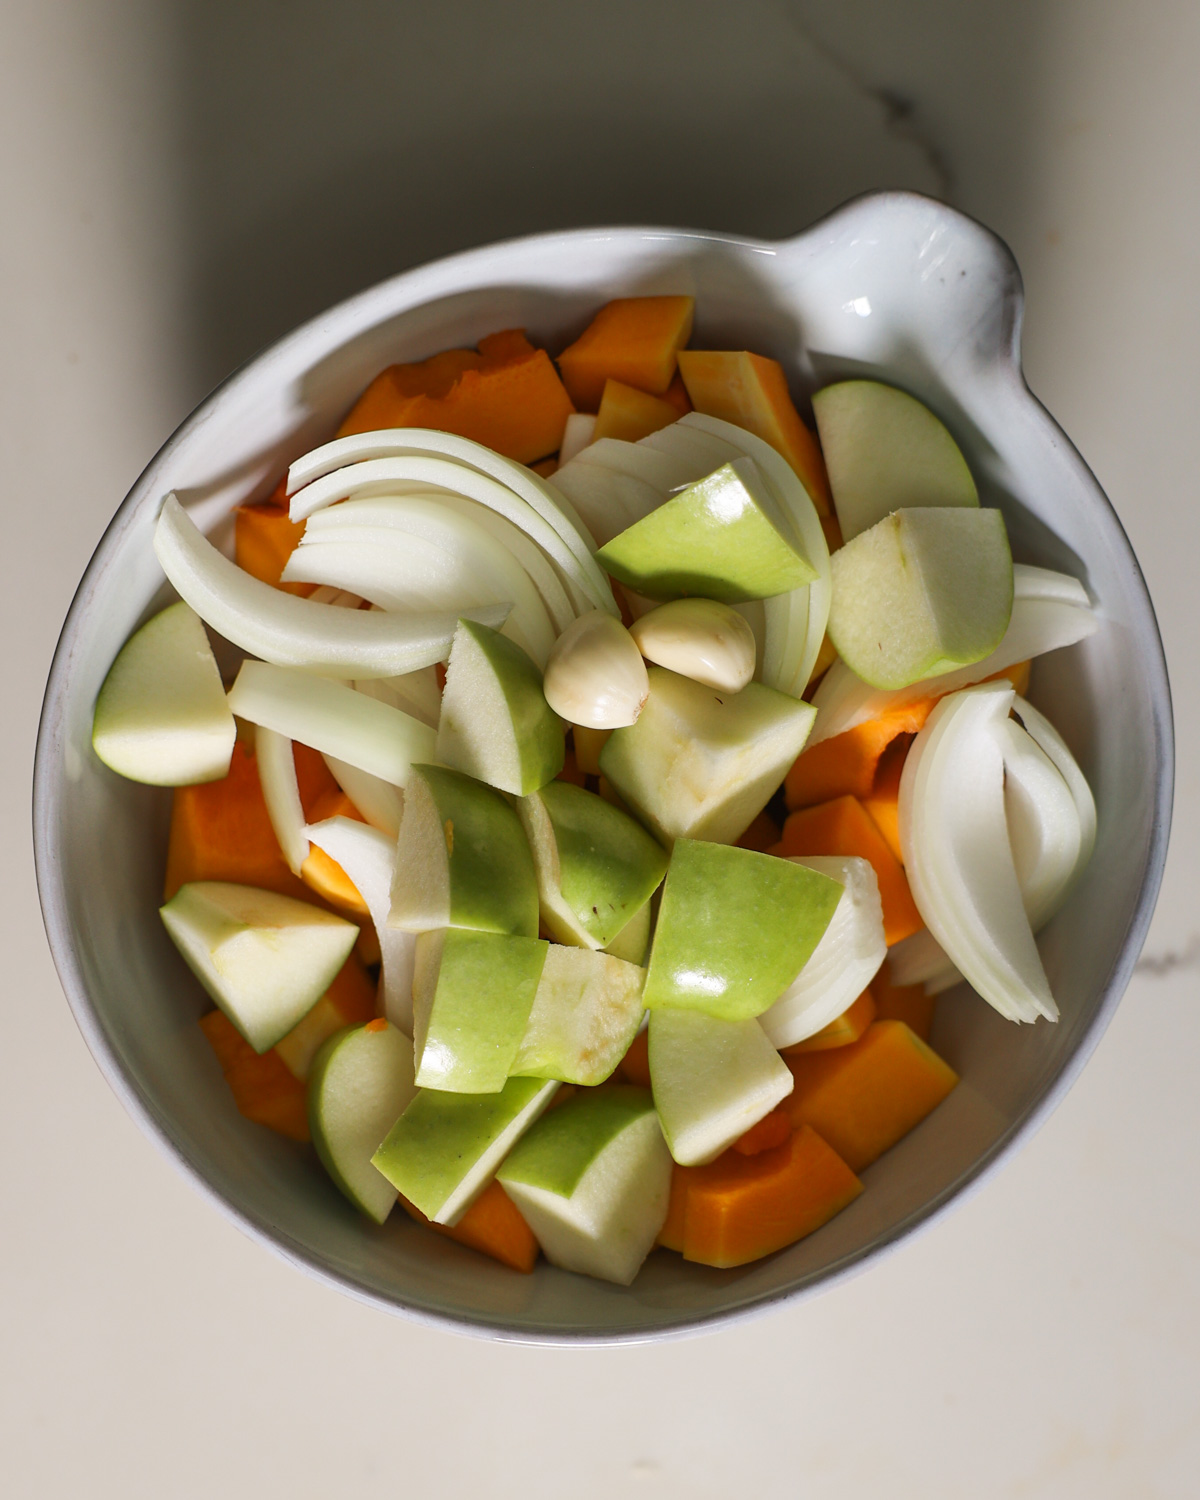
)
(892, 285)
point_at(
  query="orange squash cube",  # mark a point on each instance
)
(752, 391)
(903, 1002)
(264, 537)
(630, 414)
(635, 340)
(882, 802)
(841, 1031)
(492, 1225)
(349, 1001)
(846, 764)
(863, 1098)
(765, 1134)
(264, 1088)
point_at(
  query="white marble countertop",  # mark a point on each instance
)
(184, 182)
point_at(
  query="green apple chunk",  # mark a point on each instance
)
(592, 1179)
(885, 451)
(472, 994)
(586, 1012)
(496, 724)
(924, 591)
(722, 538)
(462, 859)
(632, 943)
(265, 959)
(734, 929)
(161, 715)
(712, 1080)
(596, 867)
(701, 763)
(361, 1081)
(444, 1149)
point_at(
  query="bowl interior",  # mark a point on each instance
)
(893, 285)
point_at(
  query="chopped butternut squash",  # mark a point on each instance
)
(882, 802)
(491, 1225)
(863, 1098)
(762, 834)
(903, 1002)
(635, 340)
(264, 537)
(842, 1030)
(264, 1088)
(845, 765)
(630, 414)
(349, 1001)
(771, 1131)
(676, 395)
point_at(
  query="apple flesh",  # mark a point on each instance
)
(596, 867)
(472, 994)
(712, 1081)
(444, 1149)
(161, 715)
(462, 859)
(885, 451)
(734, 929)
(586, 1012)
(924, 591)
(496, 724)
(723, 538)
(700, 763)
(361, 1081)
(632, 943)
(592, 1179)
(265, 959)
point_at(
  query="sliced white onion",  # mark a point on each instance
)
(369, 858)
(323, 594)
(843, 963)
(416, 693)
(333, 718)
(1049, 610)
(702, 451)
(381, 803)
(276, 764)
(957, 854)
(921, 959)
(608, 500)
(661, 471)
(518, 492)
(577, 434)
(294, 632)
(1044, 733)
(1043, 824)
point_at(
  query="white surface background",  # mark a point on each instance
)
(183, 181)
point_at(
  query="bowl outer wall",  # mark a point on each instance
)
(892, 284)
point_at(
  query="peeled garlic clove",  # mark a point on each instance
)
(701, 639)
(595, 675)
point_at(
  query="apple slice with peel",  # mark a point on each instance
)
(496, 724)
(712, 1080)
(843, 963)
(723, 537)
(632, 943)
(592, 1179)
(734, 929)
(444, 1149)
(462, 859)
(265, 959)
(161, 715)
(586, 1012)
(596, 867)
(700, 763)
(924, 591)
(472, 994)
(361, 1081)
(885, 451)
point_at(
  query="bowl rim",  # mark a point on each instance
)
(51, 890)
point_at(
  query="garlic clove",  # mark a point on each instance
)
(701, 639)
(595, 675)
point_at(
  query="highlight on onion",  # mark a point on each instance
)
(276, 762)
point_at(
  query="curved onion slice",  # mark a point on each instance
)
(417, 693)
(1049, 610)
(381, 803)
(281, 792)
(842, 964)
(1043, 824)
(1044, 733)
(294, 632)
(921, 959)
(807, 617)
(333, 718)
(368, 858)
(561, 536)
(954, 835)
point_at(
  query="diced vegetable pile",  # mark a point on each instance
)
(578, 851)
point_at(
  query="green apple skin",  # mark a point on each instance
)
(444, 1149)
(265, 959)
(734, 929)
(361, 1080)
(924, 591)
(700, 763)
(885, 451)
(712, 1081)
(472, 995)
(495, 722)
(596, 866)
(462, 859)
(586, 1013)
(161, 714)
(632, 943)
(593, 1181)
(721, 539)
